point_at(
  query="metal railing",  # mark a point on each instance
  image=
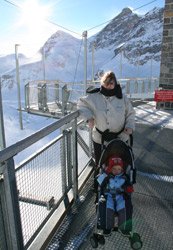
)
(140, 88)
(55, 98)
(31, 192)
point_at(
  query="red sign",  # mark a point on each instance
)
(163, 96)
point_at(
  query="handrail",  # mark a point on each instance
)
(28, 141)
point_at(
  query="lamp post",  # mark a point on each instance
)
(121, 63)
(93, 50)
(151, 68)
(43, 59)
(18, 85)
(85, 60)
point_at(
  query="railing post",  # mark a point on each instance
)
(69, 160)
(27, 89)
(149, 85)
(75, 158)
(56, 91)
(39, 88)
(156, 84)
(90, 143)
(44, 97)
(143, 87)
(65, 97)
(10, 207)
(143, 90)
(3, 241)
(63, 163)
(136, 87)
(128, 87)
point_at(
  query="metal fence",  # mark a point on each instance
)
(31, 192)
(54, 98)
(47, 97)
(140, 88)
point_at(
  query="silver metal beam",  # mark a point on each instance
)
(10, 208)
(28, 141)
(18, 86)
(85, 60)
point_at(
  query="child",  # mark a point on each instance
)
(115, 197)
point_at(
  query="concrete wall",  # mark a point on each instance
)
(166, 71)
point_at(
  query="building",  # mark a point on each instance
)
(166, 70)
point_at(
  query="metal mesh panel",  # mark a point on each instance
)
(82, 159)
(140, 88)
(41, 182)
(39, 188)
(33, 97)
(2, 235)
(83, 149)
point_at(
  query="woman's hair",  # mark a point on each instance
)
(108, 76)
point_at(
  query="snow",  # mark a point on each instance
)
(157, 177)
(148, 114)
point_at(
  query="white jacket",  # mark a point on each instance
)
(108, 112)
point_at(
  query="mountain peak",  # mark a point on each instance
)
(126, 11)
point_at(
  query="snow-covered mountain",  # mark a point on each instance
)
(8, 62)
(130, 40)
(138, 38)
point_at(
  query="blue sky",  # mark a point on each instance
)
(24, 21)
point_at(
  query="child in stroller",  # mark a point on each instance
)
(115, 185)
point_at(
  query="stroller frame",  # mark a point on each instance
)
(123, 150)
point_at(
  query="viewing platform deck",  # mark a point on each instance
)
(152, 199)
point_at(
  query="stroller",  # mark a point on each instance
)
(121, 149)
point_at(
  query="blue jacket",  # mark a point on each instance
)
(115, 200)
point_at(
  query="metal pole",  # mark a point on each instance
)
(75, 158)
(151, 72)
(18, 85)
(10, 207)
(85, 60)
(2, 131)
(121, 61)
(63, 162)
(43, 59)
(138, 60)
(93, 50)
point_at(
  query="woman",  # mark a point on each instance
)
(108, 112)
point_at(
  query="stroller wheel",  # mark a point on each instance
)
(101, 239)
(135, 241)
(94, 241)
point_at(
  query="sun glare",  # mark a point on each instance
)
(32, 25)
(34, 14)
